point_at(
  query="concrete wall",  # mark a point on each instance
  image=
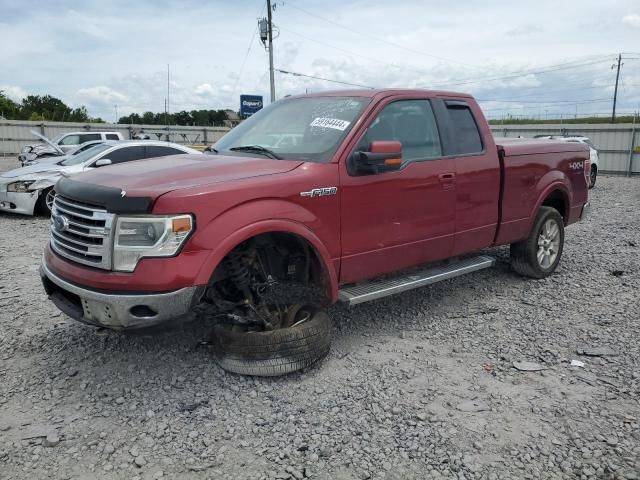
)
(618, 144)
(14, 134)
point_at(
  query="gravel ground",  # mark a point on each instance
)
(421, 385)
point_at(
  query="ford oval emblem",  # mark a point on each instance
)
(60, 223)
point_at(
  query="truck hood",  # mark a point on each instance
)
(42, 169)
(154, 177)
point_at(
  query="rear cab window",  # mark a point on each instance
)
(467, 139)
(90, 137)
(112, 136)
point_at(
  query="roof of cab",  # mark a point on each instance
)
(382, 92)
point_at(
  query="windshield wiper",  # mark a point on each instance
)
(257, 149)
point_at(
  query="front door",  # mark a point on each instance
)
(393, 220)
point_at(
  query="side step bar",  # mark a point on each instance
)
(364, 292)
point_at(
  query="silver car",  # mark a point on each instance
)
(62, 145)
(56, 159)
(29, 189)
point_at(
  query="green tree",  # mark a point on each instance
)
(183, 118)
(8, 108)
(50, 108)
(148, 118)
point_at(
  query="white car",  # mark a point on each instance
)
(593, 152)
(63, 144)
(28, 190)
(58, 158)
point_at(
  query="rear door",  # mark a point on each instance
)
(394, 220)
(469, 143)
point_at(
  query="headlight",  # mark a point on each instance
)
(26, 149)
(20, 187)
(148, 236)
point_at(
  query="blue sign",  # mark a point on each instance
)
(250, 104)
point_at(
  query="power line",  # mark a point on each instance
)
(586, 102)
(246, 55)
(572, 102)
(296, 74)
(369, 37)
(376, 60)
(522, 73)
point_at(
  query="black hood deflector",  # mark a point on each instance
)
(112, 199)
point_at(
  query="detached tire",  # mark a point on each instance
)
(539, 255)
(274, 352)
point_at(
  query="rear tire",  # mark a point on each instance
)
(592, 176)
(538, 256)
(274, 352)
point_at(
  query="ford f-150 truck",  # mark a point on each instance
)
(347, 196)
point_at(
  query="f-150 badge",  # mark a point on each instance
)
(320, 192)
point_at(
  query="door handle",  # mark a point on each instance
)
(446, 180)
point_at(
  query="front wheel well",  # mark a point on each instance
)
(558, 200)
(284, 255)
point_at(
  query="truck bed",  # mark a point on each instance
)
(527, 163)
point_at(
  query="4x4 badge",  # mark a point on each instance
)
(320, 192)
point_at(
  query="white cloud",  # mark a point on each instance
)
(116, 52)
(15, 93)
(101, 94)
(632, 20)
(204, 89)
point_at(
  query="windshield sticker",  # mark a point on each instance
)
(326, 122)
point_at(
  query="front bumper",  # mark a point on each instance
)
(19, 202)
(119, 311)
(586, 211)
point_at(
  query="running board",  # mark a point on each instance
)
(364, 292)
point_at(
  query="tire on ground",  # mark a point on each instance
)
(593, 175)
(524, 258)
(274, 352)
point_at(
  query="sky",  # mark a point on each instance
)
(541, 58)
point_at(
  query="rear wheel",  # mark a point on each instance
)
(592, 176)
(538, 256)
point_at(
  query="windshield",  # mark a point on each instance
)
(305, 128)
(85, 156)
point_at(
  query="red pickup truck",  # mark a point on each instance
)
(347, 196)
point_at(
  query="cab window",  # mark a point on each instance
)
(413, 124)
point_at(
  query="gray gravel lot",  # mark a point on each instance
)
(421, 385)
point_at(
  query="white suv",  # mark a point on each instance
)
(593, 152)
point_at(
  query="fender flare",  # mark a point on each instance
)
(556, 184)
(270, 226)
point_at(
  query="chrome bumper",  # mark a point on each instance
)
(19, 202)
(586, 211)
(117, 311)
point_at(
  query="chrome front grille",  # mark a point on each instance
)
(82, 232)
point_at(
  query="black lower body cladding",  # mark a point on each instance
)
(114, 200)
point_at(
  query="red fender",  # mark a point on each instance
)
(266, 226)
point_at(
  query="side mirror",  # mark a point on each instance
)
(383, 156)
(103, 162)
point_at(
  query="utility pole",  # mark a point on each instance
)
(116, 107)
(615, 92)
(270, 33)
